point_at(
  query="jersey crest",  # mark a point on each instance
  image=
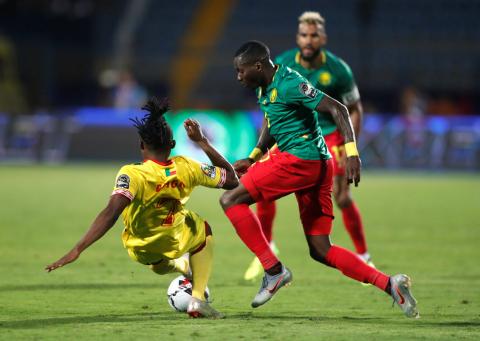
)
(273, 95)
(325, 78)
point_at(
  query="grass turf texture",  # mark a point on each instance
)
(422, 224)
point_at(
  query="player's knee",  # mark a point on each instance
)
(318, 255)
(343, 199)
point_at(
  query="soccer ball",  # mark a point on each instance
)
(179, 293)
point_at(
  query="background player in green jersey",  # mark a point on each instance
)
(330, 74)
(301, 165)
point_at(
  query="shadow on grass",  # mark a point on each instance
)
(108, 318)
(76, 286)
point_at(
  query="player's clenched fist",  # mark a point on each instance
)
(194, 130)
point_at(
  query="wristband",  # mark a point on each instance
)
(351, 149)
(256, 154)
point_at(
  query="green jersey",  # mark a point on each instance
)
(289, 104)
(334, 77)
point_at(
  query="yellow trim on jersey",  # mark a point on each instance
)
(322, 54)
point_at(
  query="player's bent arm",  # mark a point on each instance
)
(339, 114)
(356, 115)
(194, 132)
(342, 119)
(102, 223)
(218, 160)
(265, 141)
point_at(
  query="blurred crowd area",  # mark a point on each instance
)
(73, 71)
(407, 56)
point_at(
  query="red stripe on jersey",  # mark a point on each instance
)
(123, 192)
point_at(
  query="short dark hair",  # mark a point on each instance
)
(153, 128)
(253, 51)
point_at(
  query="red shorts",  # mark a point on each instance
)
(335, 146)
(282, 173)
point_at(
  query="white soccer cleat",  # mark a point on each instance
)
(198, 308)
(400, 287)
(270, 285)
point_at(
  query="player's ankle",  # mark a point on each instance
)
(275, 270)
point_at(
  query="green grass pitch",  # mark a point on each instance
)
(425, 225)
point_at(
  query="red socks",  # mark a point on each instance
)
(352, 266)
(249, 230)
(353, 223)
(266, 213)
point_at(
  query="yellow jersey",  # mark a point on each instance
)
(156, 221)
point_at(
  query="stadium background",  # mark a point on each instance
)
(416, 64)
(73, 71)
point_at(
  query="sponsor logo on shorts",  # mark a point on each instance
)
(308, 90)
(208, 170)
(123, 181)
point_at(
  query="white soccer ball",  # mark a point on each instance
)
(179, 293)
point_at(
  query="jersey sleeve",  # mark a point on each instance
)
(126, 183)
(203, 174)
(300, 91)
(347, 88)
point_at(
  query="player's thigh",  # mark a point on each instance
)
(174, 242)
(315, 204)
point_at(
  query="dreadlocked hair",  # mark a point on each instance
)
(153, 128)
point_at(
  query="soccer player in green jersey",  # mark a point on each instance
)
(333, 76)
(302, 165)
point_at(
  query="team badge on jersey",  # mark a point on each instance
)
(123, 181)
(208, 170)
(325, 78)
(273, 95)
(308, 90)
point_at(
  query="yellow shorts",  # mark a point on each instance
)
(170, 243)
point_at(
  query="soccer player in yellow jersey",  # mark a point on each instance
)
(159, 230)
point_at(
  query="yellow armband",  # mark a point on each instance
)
(351, 149)
(256, 154)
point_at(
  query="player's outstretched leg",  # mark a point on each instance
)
(266, 213)
(351, 265)
(270, 285)
(201, 263)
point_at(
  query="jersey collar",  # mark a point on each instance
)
(168, 163)
(260, 90)
(322, 54)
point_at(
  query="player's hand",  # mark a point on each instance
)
(241, 166)
(68, 258)
(194, 130)
(353, 167)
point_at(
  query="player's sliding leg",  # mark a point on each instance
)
(166, 266)
(201, 261)
(351, 265)
(235, 204)
(266, 214)
(352, 218)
